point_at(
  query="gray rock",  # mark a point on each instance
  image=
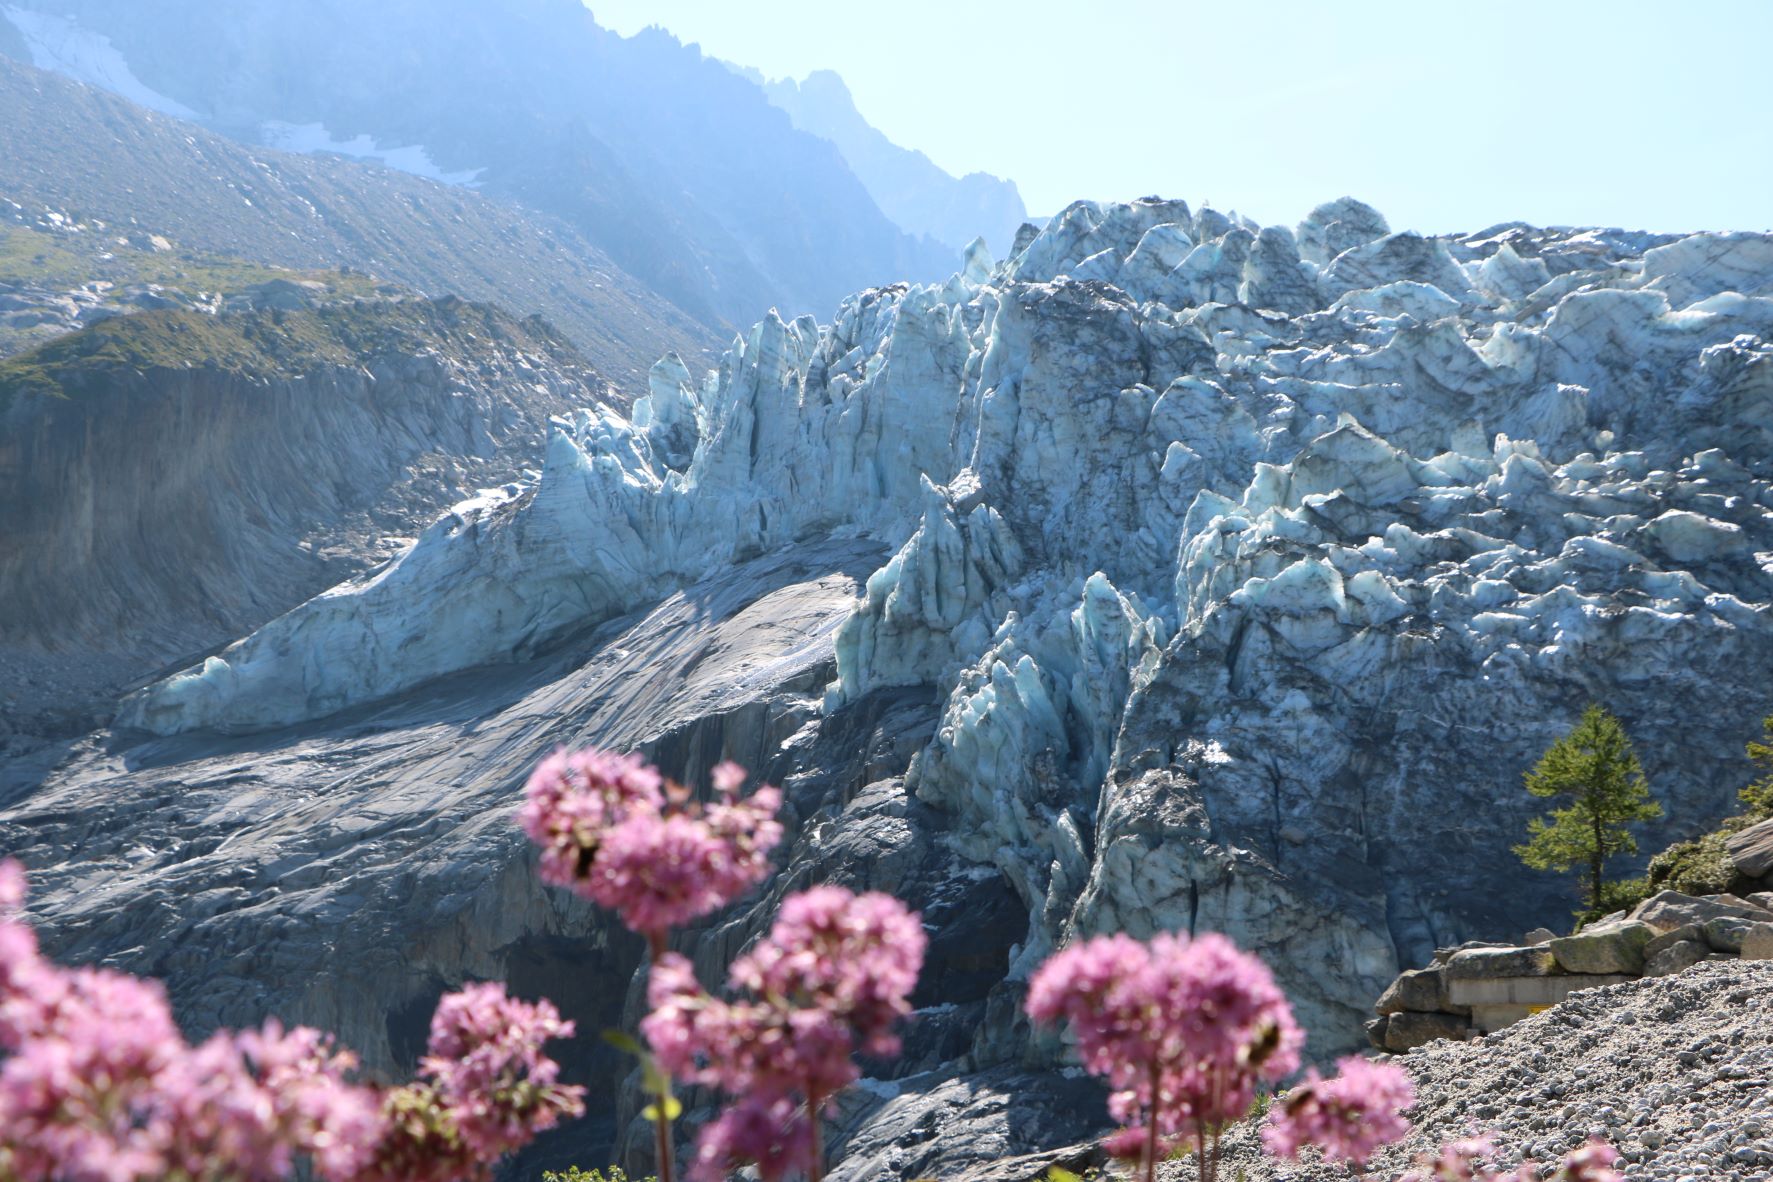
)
(1752, 849)
(1616, 947)
(1539, 936)
(1422, 990)
(1406, 1031)
(1668, 910)
(1676, 957)
(1486, 963)
(1686, 933)
(1757, 942)
(1725, 933)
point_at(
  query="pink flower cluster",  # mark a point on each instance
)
(484, 1089)
(1182, 1029)
(1464, 1161)
(98, 1085)
(1347, 1117)
(613, 830)
(831, 978)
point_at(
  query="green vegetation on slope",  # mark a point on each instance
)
(266, 342)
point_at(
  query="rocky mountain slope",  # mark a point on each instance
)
(1172, 573)
(908, 186)
(1673, 1071)
(173, 478)
(57, 277)
(661, 159)
(78, 161)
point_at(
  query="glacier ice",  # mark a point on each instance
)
(1363, 513)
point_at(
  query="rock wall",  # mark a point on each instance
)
(176, 479)
(1221, 577)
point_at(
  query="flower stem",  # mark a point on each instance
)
(662, 1141)
(1151, 1129)
(813, 1104)
(655, 943)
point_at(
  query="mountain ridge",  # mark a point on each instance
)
(79, 155)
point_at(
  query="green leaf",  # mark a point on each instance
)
(673, 1110)
(623, 1041)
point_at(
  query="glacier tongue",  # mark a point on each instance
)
(1251, 565)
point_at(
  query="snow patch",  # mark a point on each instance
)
(311, 138)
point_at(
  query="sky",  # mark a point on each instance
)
(1647, 114)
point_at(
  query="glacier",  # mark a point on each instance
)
(1216, 576)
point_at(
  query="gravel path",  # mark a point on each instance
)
(1676, 1072)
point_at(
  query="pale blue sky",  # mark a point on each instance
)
(1653, 114)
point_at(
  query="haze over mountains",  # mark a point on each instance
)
(681, 172)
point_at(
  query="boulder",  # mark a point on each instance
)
(1757, 942)
(1481, 963)
(1686, 933)
(1406, 1031)
(1676, 957)
(1762, 899)
(1668, 910)
(1376, 1031)
(1724, 934)
(1539, 936)
(1752, 849)
(1616, 947)
(1443, 955)
(1419, 990)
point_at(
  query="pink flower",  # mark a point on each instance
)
(833, 974)
(1182, 1029)
(610, 829)
(1592, 1163)
(772, 1133)
(1456, 1161)
(1347, 1117)
(485, 1056)
(857, 956)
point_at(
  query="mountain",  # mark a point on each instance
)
(1169, 574)
(907, 185)
(75, 161)
(679, 171)
(195, 473)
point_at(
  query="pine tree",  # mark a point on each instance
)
(1758, 796)
(1595, 769)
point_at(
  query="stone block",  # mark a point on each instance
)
(1616, 947)
(1757, 942)
(1526, 991)
(1752, 849)
(1406, 1030)
(1419, 990)
(1478, 963)
(1668, 910)
(1676, 957)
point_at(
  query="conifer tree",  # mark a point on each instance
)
(1595, 770)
